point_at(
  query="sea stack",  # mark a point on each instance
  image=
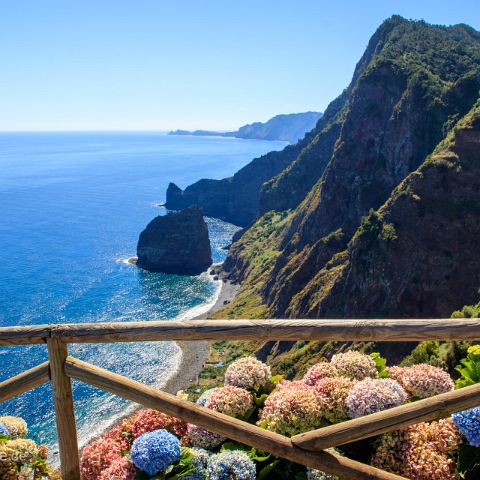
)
(176, 243)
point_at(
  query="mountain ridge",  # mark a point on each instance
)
(288, 127)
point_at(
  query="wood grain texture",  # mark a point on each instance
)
(64, 410)
(185, 330)
(35, 334)
(25, 381)
(433, 408)
(221, 424)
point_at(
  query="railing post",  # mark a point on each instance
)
(64, 410)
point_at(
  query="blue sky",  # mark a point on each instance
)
(161, 64)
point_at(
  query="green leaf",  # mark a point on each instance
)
(275, 379)
(265, 471)
(468, 461)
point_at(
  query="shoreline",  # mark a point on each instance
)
(193, 354)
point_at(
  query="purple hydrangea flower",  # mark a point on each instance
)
(468, 423)
(154, 451)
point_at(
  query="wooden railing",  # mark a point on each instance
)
(308, 449)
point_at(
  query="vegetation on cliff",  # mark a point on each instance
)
(407, 152)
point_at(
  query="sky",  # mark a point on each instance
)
(167, 64)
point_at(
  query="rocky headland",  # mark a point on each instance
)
(176, 243)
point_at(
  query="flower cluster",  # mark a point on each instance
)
(121, 434)
(248, 373)
(354, 365)
(422, 380)
(97, 457)
(468, 423)
(202, 438)
(420, 452)
(154, 452)
(313, 474)
(199, 463)
(290, 410)
(235, 465)
(319, 371)
(16, 426)
(332, 394)
(205, 396)
(374, 395)
(148, 420)
(120, 469)
(234, 401)
(19, 451)
(4, 429)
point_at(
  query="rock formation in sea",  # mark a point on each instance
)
(176, 243)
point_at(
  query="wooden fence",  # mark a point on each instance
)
(308, 449)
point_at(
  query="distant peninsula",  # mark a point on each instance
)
(287, 127)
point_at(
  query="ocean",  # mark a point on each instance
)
(72, 207)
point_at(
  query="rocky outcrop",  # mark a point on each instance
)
(289, 127)
(176, 243)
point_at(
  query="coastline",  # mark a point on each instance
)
(193, 354)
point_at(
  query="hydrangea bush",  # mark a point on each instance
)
(374, 395)
(248, 373)
(154, 452)
(422, 380)
(234, 401)
(355, 365)
(234, 465)
(320, 371)
(152, 444)
(21, 458)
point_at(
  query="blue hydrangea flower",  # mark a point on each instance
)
(205, 396)
(468, 423)
(3, 429)
(199, 462)
(234, 465)
(154, 451)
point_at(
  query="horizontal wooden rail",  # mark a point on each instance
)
(328, 330)
(222, 424)
(25, 381)
(434, 408)
(34, 334)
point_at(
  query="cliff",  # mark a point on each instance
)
(409, 91)
(289, 127)
(176, 243)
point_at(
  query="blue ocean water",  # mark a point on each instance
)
(72, 207)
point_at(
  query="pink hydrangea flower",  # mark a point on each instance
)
(121, 434)
(332, 394)
(422, 380)
(374, 395)
(248, 373)
(120, 469)
(420, 452)
(319, 371)
(234, 401)
(148, 420)
(354, 365)
(292, 409)
(97, 457)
